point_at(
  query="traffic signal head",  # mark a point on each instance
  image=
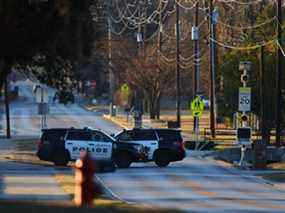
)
(244, 78)
(244, 118)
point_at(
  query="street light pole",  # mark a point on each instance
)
(178, 92)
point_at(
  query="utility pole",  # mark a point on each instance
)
(278, 111)
(159, 44)
(263, 124)
(195, 37)
(159, 37)
(138, 105)
(7, 108)
(178, 92)
(111, 73)
(213, 65)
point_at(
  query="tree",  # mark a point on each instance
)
(152, 78)
(47, 38)
(58, 30)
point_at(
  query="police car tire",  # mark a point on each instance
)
(123, 160)
(161, 159)
(61, 159)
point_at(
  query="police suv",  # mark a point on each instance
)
(159, 145)
(65, 144)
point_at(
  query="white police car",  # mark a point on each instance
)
(162, 146)
(63, 145)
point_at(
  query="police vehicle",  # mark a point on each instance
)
(63, 145)
(160, 145)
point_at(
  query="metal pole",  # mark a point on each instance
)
(7, 109)
(159, 37)
(111, 73)
(213, 62)
(278, 111)
(159, 44)
(262, 125)
(178, 92)
(196, 65)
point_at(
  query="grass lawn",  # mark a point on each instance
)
(105, 204)
(25, 152)
(16, 207)
(276, 177)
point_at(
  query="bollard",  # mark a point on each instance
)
(85, 187)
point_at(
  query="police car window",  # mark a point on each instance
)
(125, 136)
(100, 137)
(169, 135)
(53, 135)
(79, 136)
(142, 135)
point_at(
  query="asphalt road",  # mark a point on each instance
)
(25, 120)
(195, 184)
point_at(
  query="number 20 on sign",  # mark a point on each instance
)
(244, 99)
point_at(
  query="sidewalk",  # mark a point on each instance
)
(26, 182)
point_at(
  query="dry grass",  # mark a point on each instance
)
(105, 204)
(277, 166)
(92, 107)
(276, 176)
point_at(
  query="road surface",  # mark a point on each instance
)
(25, 120)
(195, 184)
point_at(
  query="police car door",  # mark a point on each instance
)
(100, 146)
(76, 142)
(148, 139)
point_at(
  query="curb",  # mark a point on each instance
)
(230, 167)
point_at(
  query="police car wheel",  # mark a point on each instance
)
(61, 159)
(123, 160)
(161, 159)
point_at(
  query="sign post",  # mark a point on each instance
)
(125, 94)
(197, 108)
(244, 106)
(42, 98)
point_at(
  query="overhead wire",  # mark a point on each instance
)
(241, 2)
(248, 27)
(264, 43)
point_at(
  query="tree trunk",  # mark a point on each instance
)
(152, 110)
(2, 74)
(7, 109)
(151, 100)
(158, 107)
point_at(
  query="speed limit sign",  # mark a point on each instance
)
(244, 99)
